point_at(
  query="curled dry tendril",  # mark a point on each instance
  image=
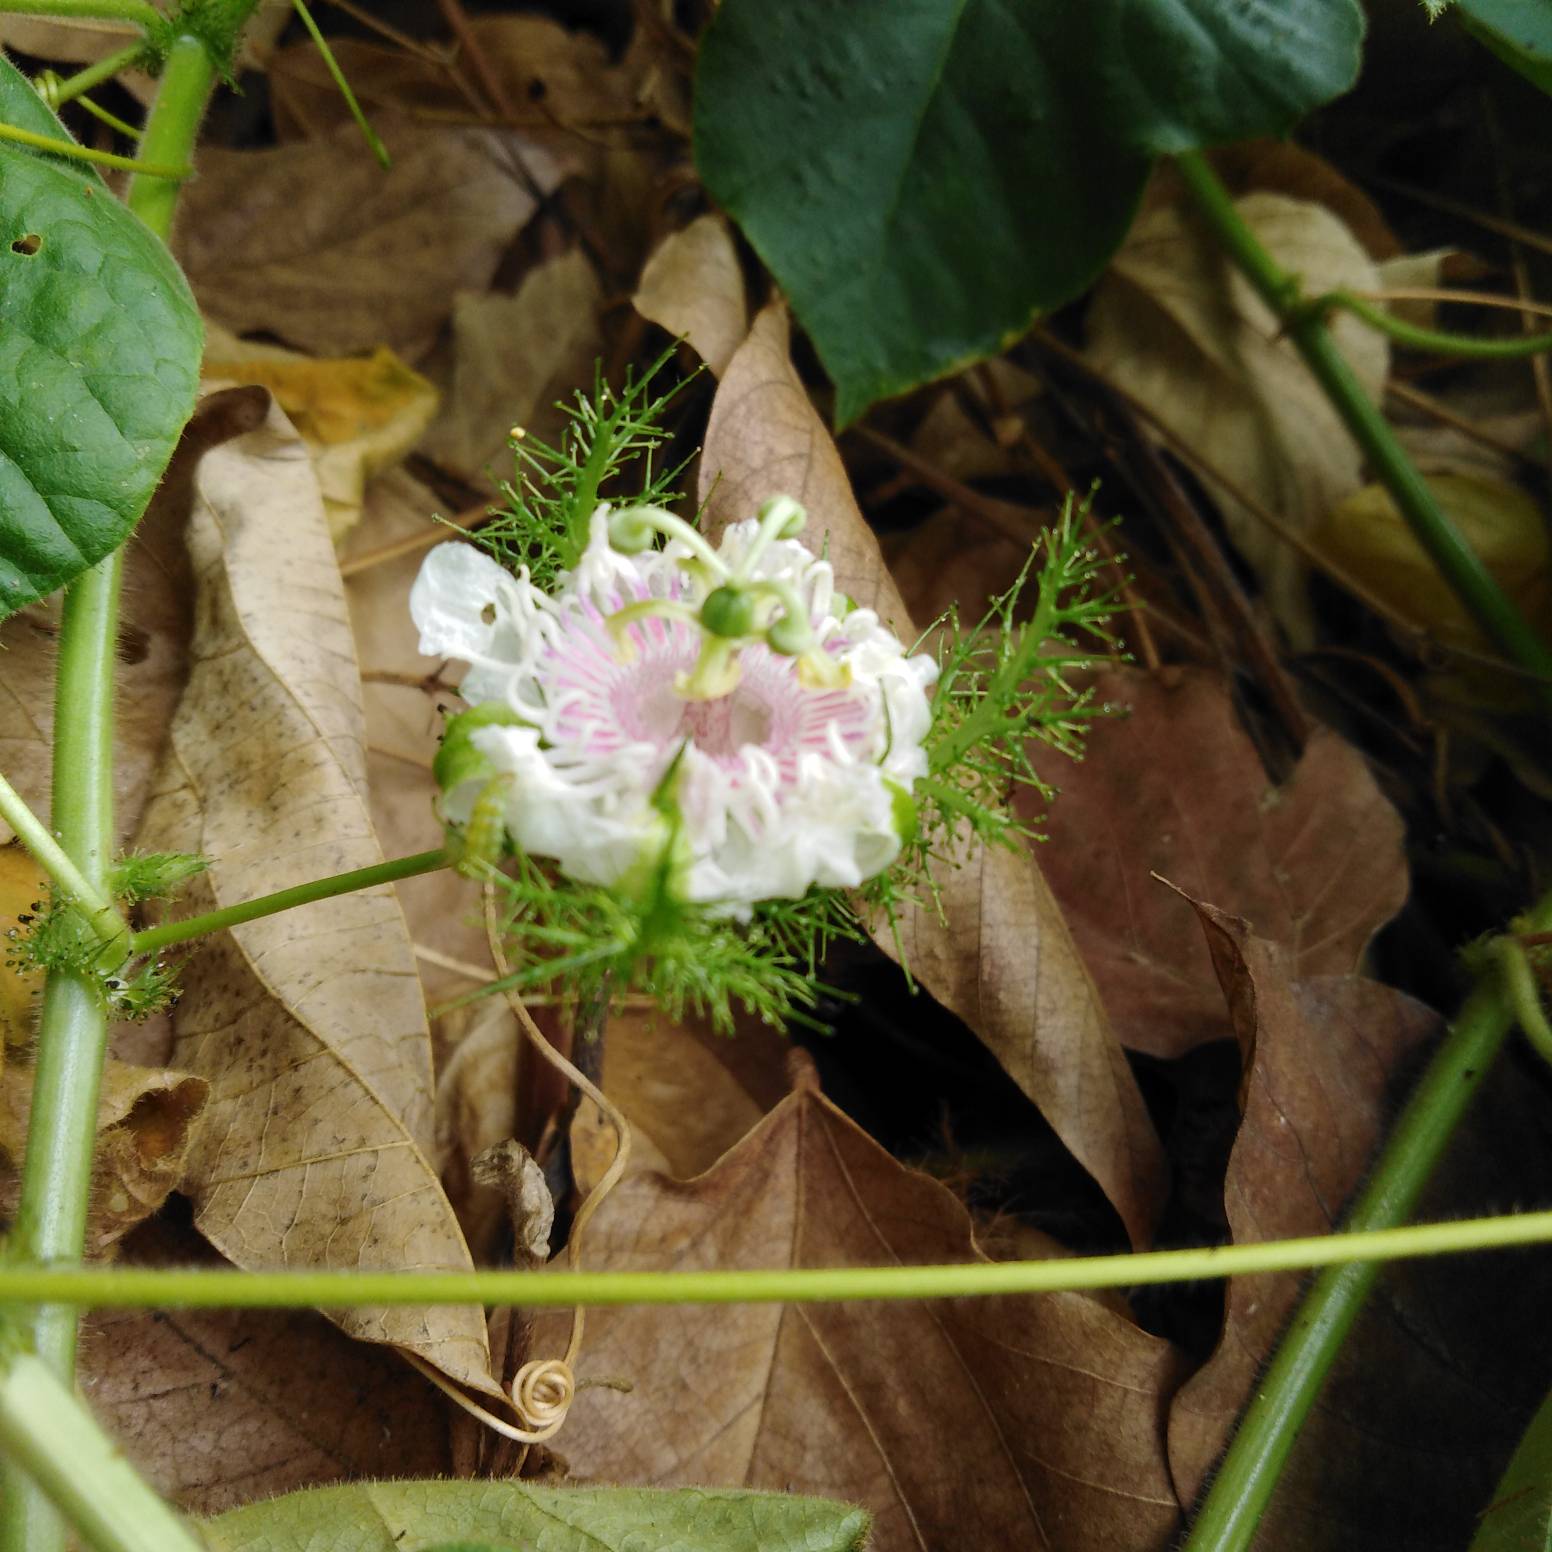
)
(543, 1389)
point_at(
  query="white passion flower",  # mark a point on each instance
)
(728, 704)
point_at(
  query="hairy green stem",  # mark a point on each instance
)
(50, 1223)
(1248, 1474)
(56, 1175)
(153, 938)
(48, 1433)
(132, 1287)
(56, 90)
(1458, 563)
(136, 11)
(1524, 994)
(91, 900)
(1440, 340)
(166, 171)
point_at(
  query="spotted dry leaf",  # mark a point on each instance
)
(1005, 961)
(310, 1025)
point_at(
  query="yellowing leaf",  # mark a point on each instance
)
(309, 1025)
(1368, 537)
(358, 415)
(1175, 324)
(23, 885)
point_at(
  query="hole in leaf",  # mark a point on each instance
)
(28, 245)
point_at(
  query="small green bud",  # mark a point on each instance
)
(795, 516)
(790, 636)
(728, 611)
(631, 532)
(457, 760)
(142, 876)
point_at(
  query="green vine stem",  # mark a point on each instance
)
(166, 171)
(46, 1430)
(56, 90)
(139, 12)
(1524, 994)
(72, 883)
(50, 1223)
(159, 937)
(56, 1175)
(132, 1287)
(1458, 563)
(1440, 340)
(1249, 1471)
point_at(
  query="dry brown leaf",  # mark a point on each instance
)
(512, 358)
(1175, 324)
(555, 81)
(1006, 962)
(403, 725)
(309, 1025)
(147, 1118)
(693, 287)
(1425, 1403)
(973, 1423)
(220, 1407)
(688, 1093)
(321, 247)
(358, 415)
(1176, 788)
(948, 561)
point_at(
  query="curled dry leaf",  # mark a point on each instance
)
(358, 415)
(310, 1024)
(220, 1407)
(512, 358)
(321, 247)
(1176, 788)
(693, 287)
(1425, 1404)
(1175, 324)
(1005, 962)
(147, 1119)
(1007, 1422)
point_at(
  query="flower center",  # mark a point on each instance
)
(723, 727)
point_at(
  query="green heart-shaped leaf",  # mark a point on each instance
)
(424, 1516)
(924, 176)
(99, 361)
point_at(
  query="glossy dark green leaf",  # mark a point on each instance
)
(1519, 32)
(923, 177)
(423, 1516)
(99, 361)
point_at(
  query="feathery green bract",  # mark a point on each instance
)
(591, 940)
(551, 500)
(1005, 685)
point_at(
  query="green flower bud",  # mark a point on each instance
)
(790, 635)
(457, 760)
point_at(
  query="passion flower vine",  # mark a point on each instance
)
(723, 712)
(687, 766)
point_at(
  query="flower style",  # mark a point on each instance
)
(724, 713)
